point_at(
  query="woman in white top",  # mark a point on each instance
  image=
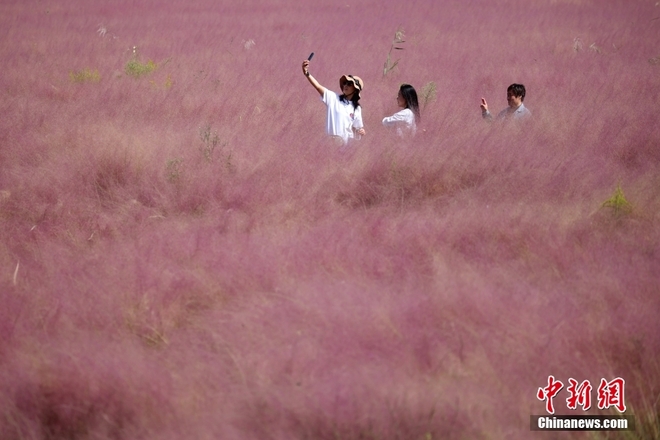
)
(405, 121)
(344, 119)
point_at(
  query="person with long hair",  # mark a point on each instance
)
(344, 116)
(405, 120)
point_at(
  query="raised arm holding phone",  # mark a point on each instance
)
(344, 116)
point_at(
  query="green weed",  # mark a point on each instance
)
(210, 140)
(137, 69)
(229, 165)
(85, 75)
(618, 202)
(173, 170)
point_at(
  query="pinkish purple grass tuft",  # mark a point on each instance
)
(184, 255)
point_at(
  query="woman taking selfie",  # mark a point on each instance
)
(344, 116)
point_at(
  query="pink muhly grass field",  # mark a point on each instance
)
(184, 255)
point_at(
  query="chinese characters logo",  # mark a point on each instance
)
(610, 394)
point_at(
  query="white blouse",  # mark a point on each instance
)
(403, 121)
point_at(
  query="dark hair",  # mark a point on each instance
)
(410, 96)
(354, 100)
(517, 90)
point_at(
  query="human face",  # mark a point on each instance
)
(348, 89)
(514, 101)
(400, 100)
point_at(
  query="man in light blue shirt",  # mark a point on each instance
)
(515, 95)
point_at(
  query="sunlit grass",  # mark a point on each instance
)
(187, 253)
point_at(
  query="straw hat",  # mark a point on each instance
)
(356, 80)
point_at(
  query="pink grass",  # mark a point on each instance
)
(276, 287)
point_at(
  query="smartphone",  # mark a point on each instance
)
(310, 56)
